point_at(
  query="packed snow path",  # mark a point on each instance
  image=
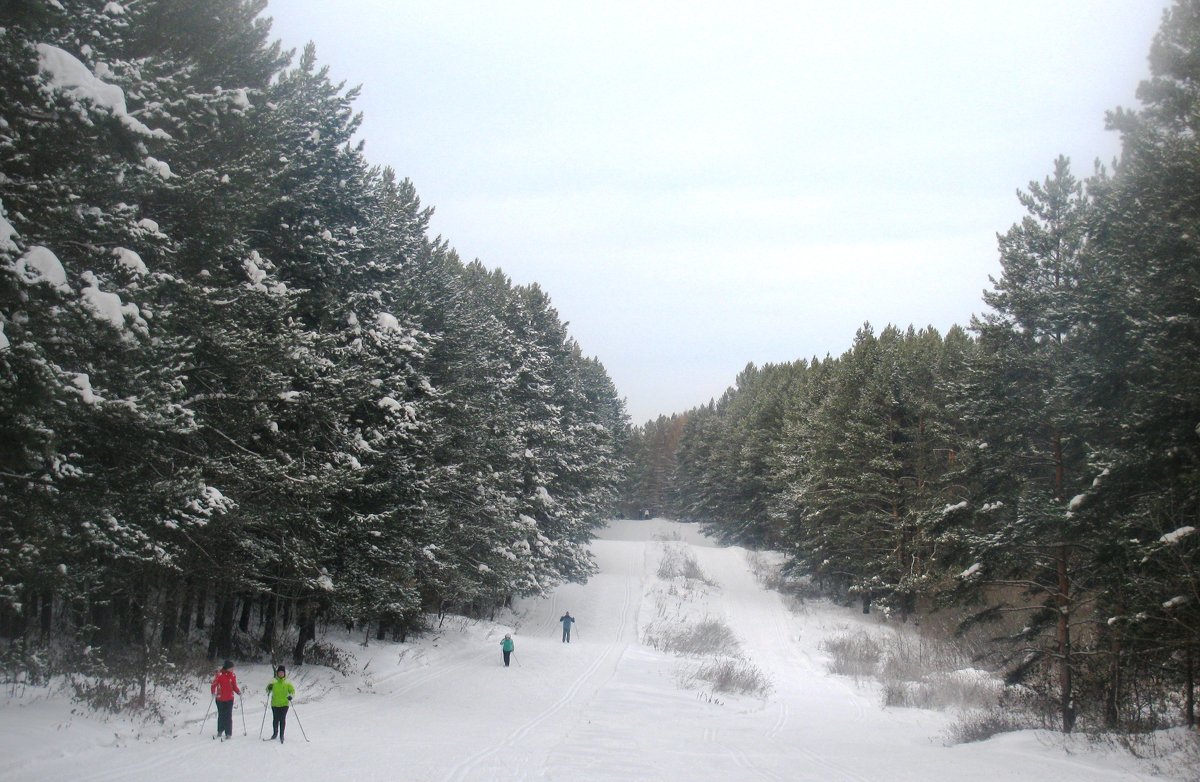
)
(604, 707)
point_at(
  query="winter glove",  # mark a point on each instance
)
(289, 699)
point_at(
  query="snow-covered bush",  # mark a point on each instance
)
(705, 637)
(734, 675)
(854, 654)
(982, 724)
(678, 562)
(966, 688)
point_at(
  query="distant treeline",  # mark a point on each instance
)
(1041, 469)
(242, 391)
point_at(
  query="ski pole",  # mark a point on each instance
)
(518, 659)
(206, 711)
(264, 719)
(242, 706)
(301, 724)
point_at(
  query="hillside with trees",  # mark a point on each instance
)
(243, 392)
(1039, 472)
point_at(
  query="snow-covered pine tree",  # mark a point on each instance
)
(1030, 459)
(92, 398)
(1142, 333)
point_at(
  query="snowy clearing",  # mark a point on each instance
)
(604, 707)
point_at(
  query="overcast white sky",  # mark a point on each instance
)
(701, 185)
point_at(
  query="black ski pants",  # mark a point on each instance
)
(278, 720)
(225, 718)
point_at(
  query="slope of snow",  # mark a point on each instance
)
(604, 707)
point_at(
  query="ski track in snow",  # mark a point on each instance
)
(464, 769)
(603, 708)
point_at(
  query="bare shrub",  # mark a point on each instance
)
(1016, 708)
(854, 654)
(1170, 753)
(704, 637)
(328, 655)
(144, 683)
(957, 689)
(981, 725)
(734, 674)
(23, 665)
(767, 570)
(913, 659)
(927, 673)
(679, 562)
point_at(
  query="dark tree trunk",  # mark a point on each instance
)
(1189, 694)
(244, 620)
(46, 613)
(221, 641)
(1066, 693)
(102, 622)
(1112, 694)
(184, 620)
(269, 609)
(201, 598)
(133, 621)
(306, 623)
(170, 613)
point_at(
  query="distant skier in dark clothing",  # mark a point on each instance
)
(507, 646)
(281, 691)
(224, 685)
(567, 620)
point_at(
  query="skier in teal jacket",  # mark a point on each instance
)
(281, 691)
(507, 646)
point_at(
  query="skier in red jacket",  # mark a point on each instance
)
(224, 685)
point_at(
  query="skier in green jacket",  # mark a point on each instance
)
(507, 647)
(281, 691)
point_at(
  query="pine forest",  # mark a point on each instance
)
(1035, 475)
(245, 395)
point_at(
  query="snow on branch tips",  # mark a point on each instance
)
(108, 307)
(7, 232)
(40, 265)
(131, 261)
(83, 385)
(255, 267)
(68, 75)
(387, 322)
(1177, 535)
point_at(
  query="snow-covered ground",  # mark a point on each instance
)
(604, 707)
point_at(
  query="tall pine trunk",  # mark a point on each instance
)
(269, 609)
(1189, 694)
(1063, 601)
(221, 640)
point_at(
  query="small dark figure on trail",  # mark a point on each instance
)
(507, 646)
(224, 685)
(567, 620)
(281, 691)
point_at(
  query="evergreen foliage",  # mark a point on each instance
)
(242, 391)
(1042, 473)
